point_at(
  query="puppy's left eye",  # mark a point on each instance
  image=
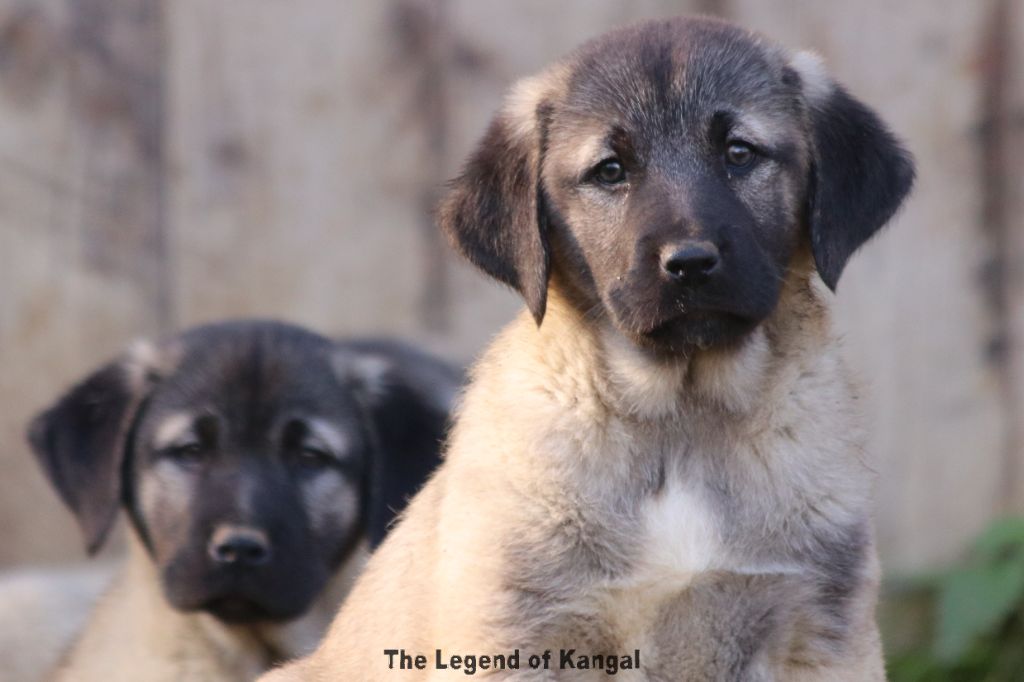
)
(739, 155)
(609, 172)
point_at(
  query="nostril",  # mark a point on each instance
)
(251, 552)
(241, 551)
(239, 546)
(682, 267)
(692, 261)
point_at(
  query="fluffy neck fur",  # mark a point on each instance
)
(633, 383)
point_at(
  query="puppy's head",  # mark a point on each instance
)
(665, 176)
(251, 457)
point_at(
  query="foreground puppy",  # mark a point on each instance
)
(657, 471)
(257, 463)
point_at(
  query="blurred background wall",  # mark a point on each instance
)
(169, 162)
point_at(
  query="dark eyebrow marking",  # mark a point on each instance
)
(293, 432)
(621, 145)
(207, 428)
(621, 142)
(721, 123)
(302, 431)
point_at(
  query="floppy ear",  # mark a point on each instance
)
(860, 172)
(80, 442)
(407, 397)
(493, 214)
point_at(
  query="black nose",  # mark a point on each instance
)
(690, 262)
(239, 546)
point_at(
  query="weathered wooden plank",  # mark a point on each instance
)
(1012, 150)
(300, 155)
(911, 305)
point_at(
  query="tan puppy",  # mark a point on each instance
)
(658, 471)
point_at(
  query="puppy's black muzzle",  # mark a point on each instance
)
(262, 568)
(694, 291)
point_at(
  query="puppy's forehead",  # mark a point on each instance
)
(663, 72)
(253, 371)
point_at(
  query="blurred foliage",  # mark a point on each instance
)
(976, 613)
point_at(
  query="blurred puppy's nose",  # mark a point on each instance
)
(689, 262)
(240, 546)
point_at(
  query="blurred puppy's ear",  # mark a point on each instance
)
(81, 441)
(494, 213)
(860, 173)
(406, 397)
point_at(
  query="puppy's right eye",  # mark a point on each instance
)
(187, 452)
(316, 456)
(609, 172)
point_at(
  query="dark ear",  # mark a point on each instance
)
(859, 176)
(80, 443)
(493, 214)
(407, 397)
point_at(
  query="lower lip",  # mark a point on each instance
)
(233, 607)
(690, 317)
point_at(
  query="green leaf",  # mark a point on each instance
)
(912, 667)
(972, 601)
(1001, 536)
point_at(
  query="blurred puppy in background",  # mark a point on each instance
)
(659, 467)
(258, 463)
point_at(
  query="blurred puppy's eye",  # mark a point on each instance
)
(609, 172)
(739, 155)
(316, 456)
(189, 452)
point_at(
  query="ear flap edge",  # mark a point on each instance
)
(860, 174)
(493, 214)
(407, 408)
(80, 444)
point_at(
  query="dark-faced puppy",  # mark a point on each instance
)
(256, 461)
(660, 469)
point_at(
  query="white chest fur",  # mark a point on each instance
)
(680, 538)
(681, 541)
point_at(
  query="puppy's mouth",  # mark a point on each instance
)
(240, 606)
(698, 329)
(243, 596)
(236, 610)
(664, 321)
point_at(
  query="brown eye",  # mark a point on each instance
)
(739, 155)
(610, 172)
